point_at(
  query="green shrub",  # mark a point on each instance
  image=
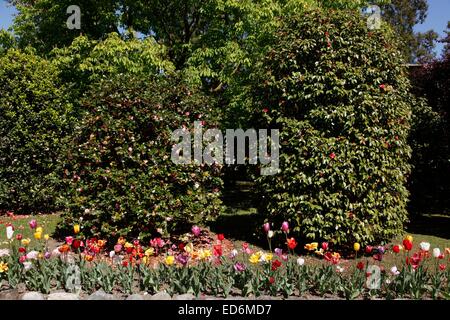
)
(338, 93)
(120, 175)
(34, 118)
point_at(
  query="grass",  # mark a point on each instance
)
(20, 223)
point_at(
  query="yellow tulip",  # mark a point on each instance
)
(46, 237)
(39, 229)
(356, 246)
(254, 258)
(76, 229)
(3, 267)
(409, 237)
(170, 260)
(204, 254)
(268, 257)
(26, 242)
(38, 235)
(145, 260)
(149, 252)
(189, 248)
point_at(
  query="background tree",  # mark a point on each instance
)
(403, 15)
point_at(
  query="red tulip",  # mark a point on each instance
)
(332, 155)
(76, 244)
(396, 249)
(360, 265)
(407, 244)
(22, 250)
(271, 280)
(220, 237)
(19, 237)
(442, 267)
(291, 243)
(275, 265)
(325, 246)
(369, 249)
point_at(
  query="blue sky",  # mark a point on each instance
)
(438, 15)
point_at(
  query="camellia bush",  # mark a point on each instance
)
(120, 175)
(339, 95)
(34, 119)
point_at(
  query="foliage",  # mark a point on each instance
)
(42, 23)
(430, 137)
(339, 96)
(34, 119)
(121, 178)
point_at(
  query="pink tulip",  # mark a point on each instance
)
(285, 226)
(69, 240)
(33, 224)
(196, 231)
(325, 246)
(266, 227)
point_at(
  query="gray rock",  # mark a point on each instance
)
(135, 296)
(10, 295)
(186, 296)
(101, 295)
(63, 296)
(33, 296)
(162, 295)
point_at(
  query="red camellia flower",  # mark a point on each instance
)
(407, 244)
(396, 249)
(291, 243)
(360, 265)
(332, 155)
(275, 265)
(220, 237)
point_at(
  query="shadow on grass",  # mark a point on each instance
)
(433, 225)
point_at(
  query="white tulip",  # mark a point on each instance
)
(425, 246)
(300, 261)
(32, 255)
(27, 265)
(270, 234)
(395, 271)
(436, 252)
(9, 232)
(112, 254)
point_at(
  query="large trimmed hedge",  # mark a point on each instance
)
(120, 176)
(339, 95)
(34, 118)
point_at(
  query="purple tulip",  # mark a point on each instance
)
(381, 249)
(47, 255)
(239, 267)
(278, 251)
(266, 227)
(33, 224)
(182, 259)
(196, 231)
(285, 227)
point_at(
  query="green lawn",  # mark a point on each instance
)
(20, 223)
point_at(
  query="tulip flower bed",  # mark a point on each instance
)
(198, 263)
